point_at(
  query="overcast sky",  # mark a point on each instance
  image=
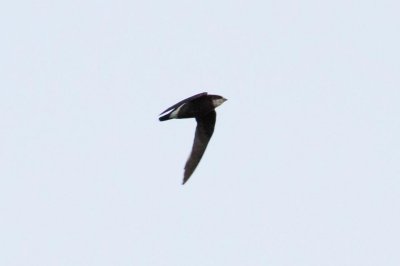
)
(303, 168)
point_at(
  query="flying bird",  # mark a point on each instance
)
(202, 107)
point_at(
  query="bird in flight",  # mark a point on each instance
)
(202, 107)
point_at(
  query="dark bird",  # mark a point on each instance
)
(202, 107)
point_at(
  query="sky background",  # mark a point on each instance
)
(303, 168)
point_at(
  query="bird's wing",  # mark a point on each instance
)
(204, 131)
(184, 101)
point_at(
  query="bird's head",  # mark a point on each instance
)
(217, 100)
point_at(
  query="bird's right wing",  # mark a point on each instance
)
(184, 101)
(204, 131)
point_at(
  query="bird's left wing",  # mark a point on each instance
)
(204, 131)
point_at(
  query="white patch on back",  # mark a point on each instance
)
(174, 114)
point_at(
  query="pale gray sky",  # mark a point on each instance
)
(303, 168)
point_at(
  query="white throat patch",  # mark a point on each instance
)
(218, 102)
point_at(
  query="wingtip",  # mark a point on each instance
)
(185, 179)
(164, 117)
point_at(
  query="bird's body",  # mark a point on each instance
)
(202, 107)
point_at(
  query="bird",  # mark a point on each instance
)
(201, 107)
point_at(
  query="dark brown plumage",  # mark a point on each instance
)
(202, 107)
